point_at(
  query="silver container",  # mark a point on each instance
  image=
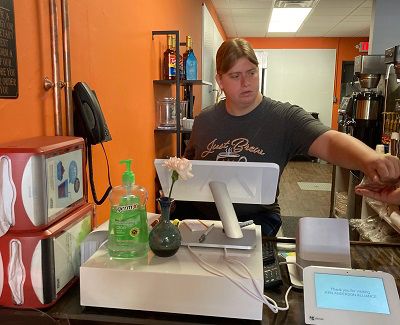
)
(369, 80)
(366, 106)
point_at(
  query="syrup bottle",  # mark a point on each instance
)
(169, 61)
(181, 74)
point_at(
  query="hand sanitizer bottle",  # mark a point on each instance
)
(128, 235)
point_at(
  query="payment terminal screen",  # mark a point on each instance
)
(354, 293)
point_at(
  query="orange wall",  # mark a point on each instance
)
(345, 51)
(113, 51)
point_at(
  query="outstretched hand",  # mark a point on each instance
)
(383, 174)
(389, 194)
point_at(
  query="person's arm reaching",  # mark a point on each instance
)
(348, 152)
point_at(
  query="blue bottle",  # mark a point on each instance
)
(190, 61)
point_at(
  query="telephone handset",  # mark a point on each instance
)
(89, 121)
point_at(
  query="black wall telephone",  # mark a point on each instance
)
(89, 121)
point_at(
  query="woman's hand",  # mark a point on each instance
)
(382, 170)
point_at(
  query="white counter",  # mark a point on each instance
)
(175, 284)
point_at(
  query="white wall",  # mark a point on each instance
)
(211, 41)
(302, 77)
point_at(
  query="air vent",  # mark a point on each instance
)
(295, 3)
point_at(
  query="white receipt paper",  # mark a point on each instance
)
(195, 225)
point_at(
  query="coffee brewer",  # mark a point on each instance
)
(367, 107)
(392, 79)
(391, 115)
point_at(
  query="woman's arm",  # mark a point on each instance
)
(348, 152)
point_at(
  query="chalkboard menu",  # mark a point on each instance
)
(8, 52)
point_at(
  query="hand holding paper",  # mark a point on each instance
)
(385, 192)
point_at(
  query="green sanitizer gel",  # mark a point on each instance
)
(128, 235)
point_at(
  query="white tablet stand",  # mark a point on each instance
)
(224, 182)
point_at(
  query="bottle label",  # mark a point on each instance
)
(172, 65)
(124, 208)
(128, 224)
(191, 67)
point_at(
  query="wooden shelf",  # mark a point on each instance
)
(171, 131)
(391, 224)
(183, 82)
(384, 217)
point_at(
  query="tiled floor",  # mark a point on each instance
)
(315, 186)
(303, 203)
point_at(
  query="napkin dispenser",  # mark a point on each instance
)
(41, 180)
(36, 268)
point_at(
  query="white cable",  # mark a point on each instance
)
(206, 266)
(260, 292)
(302, 268)
(258, 296)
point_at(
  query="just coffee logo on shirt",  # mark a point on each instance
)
(126, 208)
(233, 147)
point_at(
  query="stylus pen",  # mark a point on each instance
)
(204, 235)
(245, 223)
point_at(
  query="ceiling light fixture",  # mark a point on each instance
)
(288, 15)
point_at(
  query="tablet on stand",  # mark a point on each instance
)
(224, 182)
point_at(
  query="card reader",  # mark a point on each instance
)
(349, 297)
(324, 242)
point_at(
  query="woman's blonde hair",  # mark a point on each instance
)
(232, 50)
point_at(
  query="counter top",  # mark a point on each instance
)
(68, 310)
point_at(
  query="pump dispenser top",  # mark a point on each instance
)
(128, 177)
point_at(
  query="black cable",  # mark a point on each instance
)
(92, 186)
(108, 166)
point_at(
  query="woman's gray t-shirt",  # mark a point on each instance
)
(272, 132)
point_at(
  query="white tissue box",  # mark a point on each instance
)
(36, 268)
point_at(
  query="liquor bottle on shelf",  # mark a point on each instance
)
(169, 64)
(180, 58)
(189, 61)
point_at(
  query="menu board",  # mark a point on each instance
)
(8, 52)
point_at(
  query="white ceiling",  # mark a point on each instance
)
(329, 18)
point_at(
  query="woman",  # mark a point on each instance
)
(247, 126)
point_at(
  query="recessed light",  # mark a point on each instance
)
(287, 19)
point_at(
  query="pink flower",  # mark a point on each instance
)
(180, 167)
